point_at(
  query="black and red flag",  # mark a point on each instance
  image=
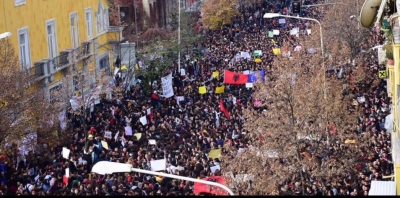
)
(235, 78)
(223, 108)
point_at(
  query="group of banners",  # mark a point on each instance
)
(218, 90)
(235, 78)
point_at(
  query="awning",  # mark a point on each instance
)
(389, 122)
(382, 188)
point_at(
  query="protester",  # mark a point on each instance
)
(188, 125)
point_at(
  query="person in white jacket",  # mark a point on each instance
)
(128, 121)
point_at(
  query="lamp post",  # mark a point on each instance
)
(179, 35)
(324, 4)
(105, 167)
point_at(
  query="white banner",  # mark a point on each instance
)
(167, 88)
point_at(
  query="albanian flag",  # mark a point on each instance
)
(235, 78)
(223, 109)
(204, 188)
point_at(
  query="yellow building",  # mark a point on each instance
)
(393, 84)
(59, 38)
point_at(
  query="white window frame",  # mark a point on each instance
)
(74, 29)
(26, 52)
(101, 19)
(106, 20)
(52, 39)
(19, 2)
(89, 23)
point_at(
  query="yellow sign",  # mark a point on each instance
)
(202, 90)
(258, 60)
(124, 67)
(382, 74)
(215, 74)
(214, 153)
(138, 135)
(348, 141)
(276, 51)
(104, 144)
(220, 89)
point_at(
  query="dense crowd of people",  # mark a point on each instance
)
(185, 130)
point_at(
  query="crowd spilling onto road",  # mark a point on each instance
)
(185, 130)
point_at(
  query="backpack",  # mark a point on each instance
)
(27, 186)
(47, 181)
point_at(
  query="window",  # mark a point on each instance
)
(51, 39)
(102, 19)
(89, 24)
(104, 64)
(19, 2)
(24, 50)
(74, 30)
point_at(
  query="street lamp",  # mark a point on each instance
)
(179, 35)
(315, 5)
(5, 35)
(105, 167)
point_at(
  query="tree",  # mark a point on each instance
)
(342, 26)
(26, 117)
(219, 12)
(81, 91)
(162, 49)
(298, 133)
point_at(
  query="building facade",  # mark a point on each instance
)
(151, 13)
(57, 39)
(393, 86)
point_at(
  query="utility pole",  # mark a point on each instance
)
(179, 35)
(136, 22)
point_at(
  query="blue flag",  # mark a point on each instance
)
(262, 74)
(252, 77)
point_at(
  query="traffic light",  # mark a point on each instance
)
(296, 7)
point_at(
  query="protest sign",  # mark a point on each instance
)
(104, 144)
(167, 88)
(270, 34)
(202, 90)
(214, 153)
(158, 165)
(215, 74)
(107, 134)
(138, 136)
(152, 142)
(220, 89)
(143, 120)
(65, 152)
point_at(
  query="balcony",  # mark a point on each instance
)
(83, 51)
(115, 29)
(63, 60)
(39, 69)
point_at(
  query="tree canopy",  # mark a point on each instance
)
(219, 12)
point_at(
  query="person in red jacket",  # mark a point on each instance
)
(92, 130)
(155, 99)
